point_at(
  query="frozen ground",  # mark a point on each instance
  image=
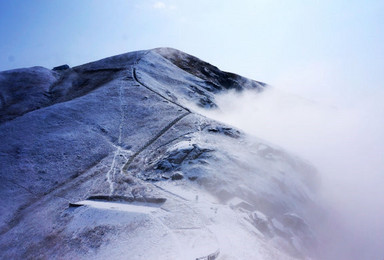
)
(109, 160)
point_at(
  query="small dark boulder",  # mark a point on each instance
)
(225, 130)
(177, 176)
(62, 67)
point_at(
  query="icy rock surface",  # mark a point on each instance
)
(108, 160)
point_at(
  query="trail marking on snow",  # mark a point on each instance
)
(167, 191)
(112, 171)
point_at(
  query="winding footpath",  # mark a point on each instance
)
(162, 131)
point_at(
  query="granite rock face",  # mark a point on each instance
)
(109, 159)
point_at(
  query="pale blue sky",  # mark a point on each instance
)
(307, 46)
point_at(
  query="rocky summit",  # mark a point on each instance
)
(110, 160)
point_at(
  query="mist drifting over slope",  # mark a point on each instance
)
(345, 142)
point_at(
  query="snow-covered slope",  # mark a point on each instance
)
(109, 160)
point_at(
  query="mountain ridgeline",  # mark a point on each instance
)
(110, 160)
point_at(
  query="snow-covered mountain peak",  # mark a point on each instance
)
(108, 159)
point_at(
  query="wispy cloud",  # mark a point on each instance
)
(159, 5)
(162, 5)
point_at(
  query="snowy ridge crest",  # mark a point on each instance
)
(109, 160)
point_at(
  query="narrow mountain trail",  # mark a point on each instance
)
(157, 93)
(112, 171)
(157, 136)
(165, 129)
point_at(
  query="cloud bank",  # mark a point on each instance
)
(346, 144)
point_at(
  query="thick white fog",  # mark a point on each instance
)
(344, 139)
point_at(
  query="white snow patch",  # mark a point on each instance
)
(117, 206)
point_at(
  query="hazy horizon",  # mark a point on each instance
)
(304, 47)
